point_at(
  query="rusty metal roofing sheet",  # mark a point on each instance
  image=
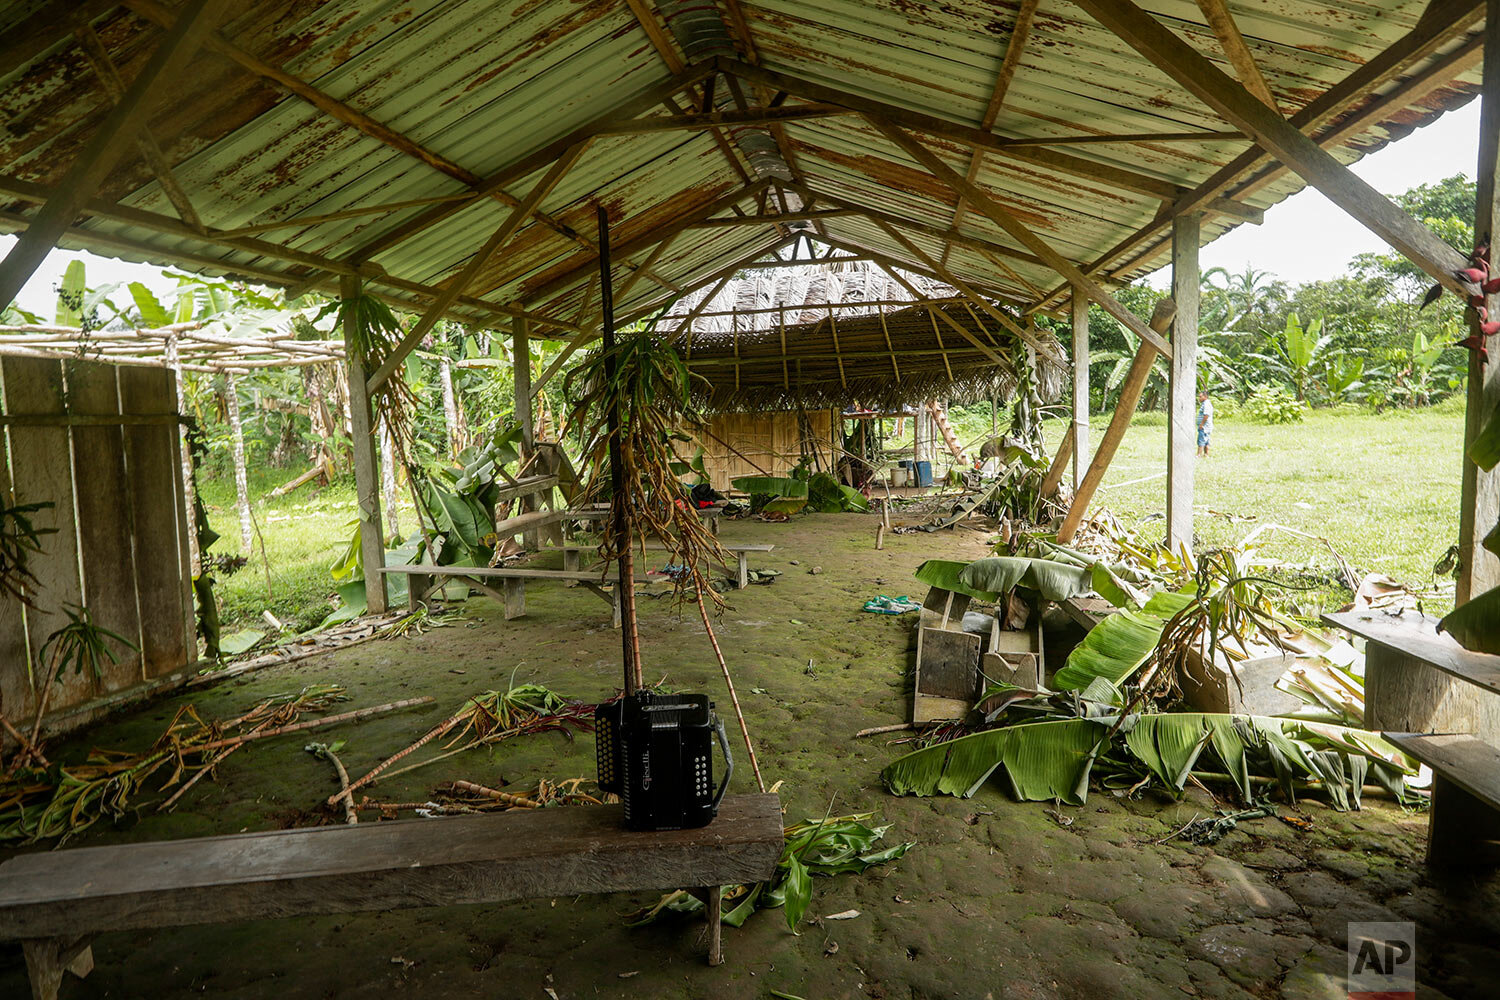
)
(473, 87)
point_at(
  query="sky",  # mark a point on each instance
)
(1305, 238)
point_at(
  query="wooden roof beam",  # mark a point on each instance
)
(109, 78)
(1237, 52)
(1282, 139)
(987, 206)
(466, 277)
(976, 138)
(1014, 46)
(984, 348)
(104, 148)
(539, 296)
(1440, 24)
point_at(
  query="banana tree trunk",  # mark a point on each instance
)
(241, 485)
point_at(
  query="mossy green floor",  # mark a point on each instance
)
(998, 899)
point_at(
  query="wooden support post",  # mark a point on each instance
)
(1058, 466)
(1130, 394)
(619, 505)
(366, 466)
(1182, 433)
(1479, 513)
(1079, 435)
(521, 366)
(117, 133)
(237, 441)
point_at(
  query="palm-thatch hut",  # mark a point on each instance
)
(780, 353)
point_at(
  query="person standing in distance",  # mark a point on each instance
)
(1205, 422)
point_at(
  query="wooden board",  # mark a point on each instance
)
(15, 684)
(43, 472)
(1468, 762)
(498, 572)
(105, 508)
(154, 475)
(947, 674)
(378, 866)
(1417, 636)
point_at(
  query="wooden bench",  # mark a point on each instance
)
(1463, 825)
(423, 579)
(1439, 703)
(573, 557)
(54, 902)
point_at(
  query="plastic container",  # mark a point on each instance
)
(924, 473)
(898, 477)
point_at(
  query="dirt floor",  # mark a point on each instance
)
(998, 899)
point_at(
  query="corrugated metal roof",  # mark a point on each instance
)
(476, 87)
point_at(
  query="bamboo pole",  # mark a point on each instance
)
(332, 720)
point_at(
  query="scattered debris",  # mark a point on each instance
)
(884, 605)
(842, 915)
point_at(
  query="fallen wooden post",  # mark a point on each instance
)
(1130, 395)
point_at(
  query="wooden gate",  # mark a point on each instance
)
(100, 444)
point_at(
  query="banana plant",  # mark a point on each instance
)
(1296, 351)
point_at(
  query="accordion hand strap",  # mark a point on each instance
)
(723, 739)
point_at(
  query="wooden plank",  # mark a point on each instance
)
(1182, 392)
(1002, 217)
(947, 674)
(15, 678)
(1237, 52)
(525, 486)
(105, 518)
(1283, 140)
(1470, 763)
(377, 866)
(1078, 429)
(114, 135)
(528, 521)
(497, 572)
(1417, 636)
(1130, 394)
(1479, 496)
(364, 441)
(42, 470)
(153, 472)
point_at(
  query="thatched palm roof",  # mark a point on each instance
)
(877, 359)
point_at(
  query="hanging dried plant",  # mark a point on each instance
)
(377, 332)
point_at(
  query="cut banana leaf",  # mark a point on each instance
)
(1476, 624)
(1055, 581)
(1116, 647)
(776, 486)
(946, 574)
(1041, 761)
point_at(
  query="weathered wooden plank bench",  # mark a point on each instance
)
(54, 902)
(573, 557)
(423, 579)
(1439, 703)
(1463, 825)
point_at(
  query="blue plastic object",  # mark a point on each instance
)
(924, 473)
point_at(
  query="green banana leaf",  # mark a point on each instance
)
(1116, 647)
(776, 486)
(945, 574)
(1476, 623)
(784, 505)
(461, 520)
(1041, 760)
(1047, 760)
(1055, 581)
(1485, 451)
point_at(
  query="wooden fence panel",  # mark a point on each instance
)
(42, 470)
(105, 505)
(15, 678)
(151, 468)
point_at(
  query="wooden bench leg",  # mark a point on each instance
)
(744, 580)
(417, 587)
(48, 958)
(572, 560)
(515, 597)
(1460, 827)
(715, 903)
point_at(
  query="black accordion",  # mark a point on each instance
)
(656, 753)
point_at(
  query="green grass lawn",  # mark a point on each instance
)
(1383, 488)
(304, 532)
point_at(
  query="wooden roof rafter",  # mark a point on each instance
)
(193, 346)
